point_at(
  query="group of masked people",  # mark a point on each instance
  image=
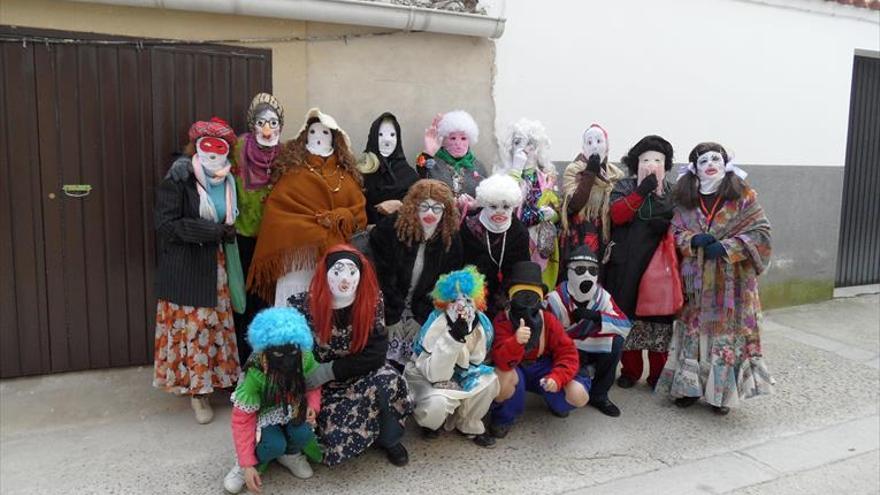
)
(339, 296)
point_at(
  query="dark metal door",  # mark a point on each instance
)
(88, 129)
(858, 259)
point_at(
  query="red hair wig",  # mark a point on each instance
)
(366, 298)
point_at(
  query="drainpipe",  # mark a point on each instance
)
(357, 12)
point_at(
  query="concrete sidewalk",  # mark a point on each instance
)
(109, 432)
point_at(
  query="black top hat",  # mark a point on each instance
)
(525, 272)
(582, 253)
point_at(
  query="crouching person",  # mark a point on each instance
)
(533, 353)
(273, 415)
(452, 387)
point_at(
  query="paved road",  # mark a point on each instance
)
(108, 432)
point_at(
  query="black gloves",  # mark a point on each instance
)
(228, 234)
(593, 164)
(648, 185)
(713, 251)
(583, 313)
(458, 329)
(702, 240)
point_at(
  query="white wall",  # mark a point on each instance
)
(770, 82)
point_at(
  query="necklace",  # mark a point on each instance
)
(320, 174)
(501, 258)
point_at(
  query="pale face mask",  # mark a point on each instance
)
(387, 138)
(653, 162)
(582, 280)
(522, 153)
(430, 214)
(710, 171)
(457, 144)
(595, 143)
(212, 153)
(462, 307)
(497, 217)
(343, 278)
(320, 140)
(267, 128)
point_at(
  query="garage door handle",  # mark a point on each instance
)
(77, 190)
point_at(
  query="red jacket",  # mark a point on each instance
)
(507, 353)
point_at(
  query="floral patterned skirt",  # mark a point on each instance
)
(722, 369)
(349, 421)
(195, 347)
(648, 335)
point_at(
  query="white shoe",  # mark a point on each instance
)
(202, 407)
(234, 480)
(297, 464)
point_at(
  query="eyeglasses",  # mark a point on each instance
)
(580, 270)
(435, 209)
(273, 123)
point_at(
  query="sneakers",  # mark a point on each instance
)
(234, 480)
(297, 464)
(202, 408)
(397, 454)
(606, 407)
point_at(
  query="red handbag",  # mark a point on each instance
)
(660, 290)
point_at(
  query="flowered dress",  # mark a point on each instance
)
(349, 421)
(195, 349)
(715, 351)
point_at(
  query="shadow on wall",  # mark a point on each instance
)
(803, 205)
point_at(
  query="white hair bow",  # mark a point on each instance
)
(690, 168)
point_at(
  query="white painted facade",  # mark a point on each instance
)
(769, 79)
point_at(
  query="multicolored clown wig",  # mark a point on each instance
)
(282, 343)
(467, 281)
(363, 310)
(409, 229)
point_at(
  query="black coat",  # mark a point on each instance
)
(394, 265)
(187, 243)
(394, 176)
(633, 246)
(473, 240)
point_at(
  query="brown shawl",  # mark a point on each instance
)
(302, 218)
(600, 194)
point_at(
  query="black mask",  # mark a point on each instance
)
(526, 305)
(285, 384)
(285, 359)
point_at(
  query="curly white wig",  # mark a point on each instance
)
(458, 121)
(536, 135)
(499, 188)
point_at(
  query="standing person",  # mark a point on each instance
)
(533, 353)
(365, 401)
(195, 349)
(595, 324)
(452, 386)
(494, 239)
(255, 152)
(387, 174)
(586, 190)
(316, 203)
(525, 156)
(641, 208)
(724, 240)
(412, 248)
(448, 156)
(273, 414)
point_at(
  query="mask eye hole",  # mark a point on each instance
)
(580, 270)
(593, 270)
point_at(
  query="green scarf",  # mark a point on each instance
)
(466, 161)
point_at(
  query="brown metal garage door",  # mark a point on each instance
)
(86, 131)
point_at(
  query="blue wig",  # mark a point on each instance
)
(279, 326)
(467, 281)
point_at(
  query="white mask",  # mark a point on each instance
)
(343, 278)
(430, 214)
(387, 138)
(653, 162)
(583, 279)
(497, 217)
(462, 307)
(212, 153)
(595, 143)
(710, 171)
(320, 140)
(522, 153)
(267, 128)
